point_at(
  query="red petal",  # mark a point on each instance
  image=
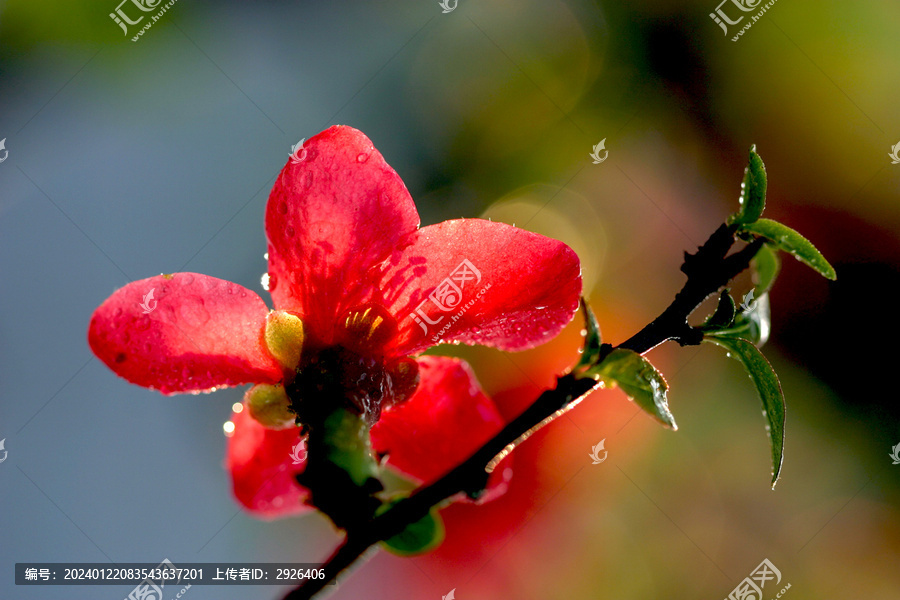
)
(446, 421)
(201, 332)
(331, 218)
(262, 468)
(521, 288)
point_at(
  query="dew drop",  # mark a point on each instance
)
(143, 324)
(282, 208)
(264, 281)
(289, 231)
(362, 157)
(307, 180)
(273, 281)
(187, 279)
(118, 312)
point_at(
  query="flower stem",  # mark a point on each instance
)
(709, 269)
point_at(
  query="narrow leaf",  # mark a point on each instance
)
(785, 238)
(769, 388)
(766, 266)
(753, 323)
(724, 315)
(639, 380)
(753, 192)
(592, 340)
(422, 536)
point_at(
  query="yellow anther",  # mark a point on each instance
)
(270, 406)
(284, 337)
(367, 329)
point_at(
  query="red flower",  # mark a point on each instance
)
(358, 287)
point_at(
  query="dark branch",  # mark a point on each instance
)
(708, 270)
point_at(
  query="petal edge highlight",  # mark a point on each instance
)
(184, 333)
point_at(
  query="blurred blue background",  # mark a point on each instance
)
(128, 159)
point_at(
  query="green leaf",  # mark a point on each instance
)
(639, 380)
(785, 238)
(769, 388)
(724, 315)
(766, 266)
(592, 341)
(752, 323)
(753, 192)
(420, 537)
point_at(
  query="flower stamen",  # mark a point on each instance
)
(284, 338)
(366, 329)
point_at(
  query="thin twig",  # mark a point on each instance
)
(709, 269)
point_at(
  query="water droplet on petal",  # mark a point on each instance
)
(273, 281)
(362, 157)
(264, 281)
(282, 208)
(187, 279)
(307, 180)
(289, 231)
(143, 324)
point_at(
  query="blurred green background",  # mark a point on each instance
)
(127, 159)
